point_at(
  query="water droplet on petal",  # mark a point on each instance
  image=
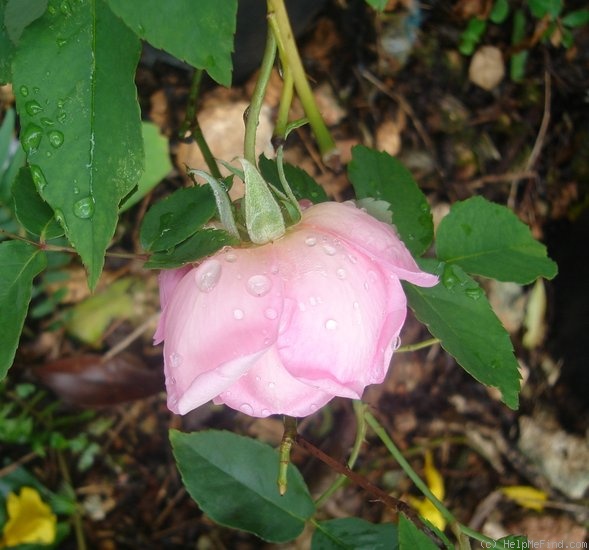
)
(352, 259)
(313, 301)
(330, 324)
(312, 407)
(259, 285)
(33, 107)
(310, 241)
(271, 385)
(230, 257)
(172, 380)
(397, 343)
(340, 273)
(270, 313)
(266, 412)
(356, 305)
(238, 314)
(246, 408)
(84, 208)
(208, 275)
(175, 360)
(56, 139)
(329, 250)
(31, 138)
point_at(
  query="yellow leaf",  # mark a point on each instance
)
(526, 496)
(435, 483)
(30, 520)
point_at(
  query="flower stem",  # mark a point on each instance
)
(288, 438)
(418, 345)
(252, 116)
(289, 54)
(286, 96)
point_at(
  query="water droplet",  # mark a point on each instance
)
(352, 259)
(60, 218)
(396, 343)
(76, 190)
(33, 107)
(56, 139)
(31, 138)
(259, 285)
(267, 341)
(356, 305)
(24, 91)
(47, 121)
(270, 313)
(61, 116)
(208, 275)
(246, 408)
(312, 407)
(340, 273)
(266, 412)
(330, 324)
(65, 8)
(36, 89)
(61, 42)
(313, 301)
(271, 385)
(84, 208)
(238, 314)
(38, 177)
(310, 241)
(329, 250)
(449, 279)
(302, 306)
(274, 270)
(474, 293)
(172, 380)
(175, 360)
(230, 257)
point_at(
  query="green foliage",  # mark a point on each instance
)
(73, 76)
(233, 480)
(380, 176)
(201, 35)
(377, 4)
(487, 239)
(410, 537)
(458, 313)
(19, 264)
(348, 533)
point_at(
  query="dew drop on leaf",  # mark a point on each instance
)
(84, 208)
(56, 139)
(474, 293)
(33, 107)
(449, 279)
(60, 218)
(24, 91)
(38, 177)
(31, 138)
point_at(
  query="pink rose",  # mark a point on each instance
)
(284, 327)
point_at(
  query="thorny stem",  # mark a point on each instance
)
(360, 436)
(252, 115)
(191, 124)
(289, 54)
(288, 438)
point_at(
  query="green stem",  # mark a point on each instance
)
(289, 54)
(360, 437)
(76, 517)
(288, 438)
(398, 456)
(418, 345)
(252, 116)
(191, 124)
(286, 96)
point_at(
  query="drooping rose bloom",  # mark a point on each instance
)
(284, 327)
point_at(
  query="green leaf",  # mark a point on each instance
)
(21, 13)
(458, 313)
(576, 18)
(172, 220)
(540, 8)
(511, 541)
(471, 36)
(412, 538)
(157, 163)
(203, 243)
(380, 176)
(354, 534)
(303, 186)
(488, 239)
(81, 129)
(19, 264)
(233, 480)
(378, 5)
(6, 48)
(499, 12)
(200, 34)
(32, 212)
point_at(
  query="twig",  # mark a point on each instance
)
(501, 178)
(130, 338)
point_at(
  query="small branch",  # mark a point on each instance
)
(418, 345)
(288, 438)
